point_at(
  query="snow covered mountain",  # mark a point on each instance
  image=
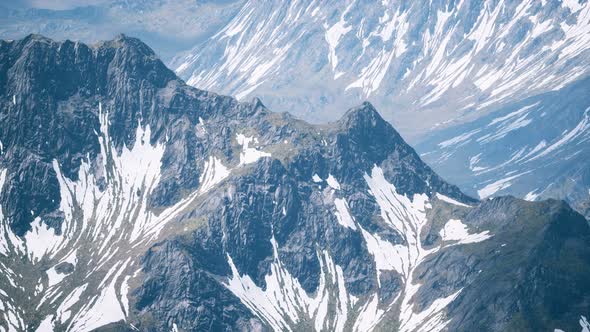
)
(132, 201)
(450, 60)
(538, 148)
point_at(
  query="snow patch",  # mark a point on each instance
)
(494, 187)
(387, 256)
(46, 324)
(455, 230)
(54, 277)
(213, 173)
(332, 182)
(104, 309)
(369, 316)
(316, 178)
(249, 155)
(41, 240)
(450, 200)
(461, 139)
(531, 196)
(284, 301)
(343, 215)
(63, 311)
(573, 5)
(333, 35)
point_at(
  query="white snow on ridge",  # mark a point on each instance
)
(494, 187)
(431, 319)
(249, 155)
(369, 316)
(332, 182)
(455, 230)
(573, 5)
(41, 240)
(408, 217)
(370, 77)
(504, 130)
(580, 128)
(316, 178)
(63, 311)
(333, 35)
(45, 326)
(509, 116)
(531, 196)
(474, 161)
(114, 215)
(463, 138)
(213, 173)
(387, 256)
(284, 300)
(54, 277)
(343, 215)
(450, 200)
(103, 309)
(124, 293)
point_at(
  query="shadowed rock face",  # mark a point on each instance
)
(151, 205)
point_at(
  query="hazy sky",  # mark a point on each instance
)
(159, 24)
(61, 4)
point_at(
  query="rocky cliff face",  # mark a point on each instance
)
(131, 201)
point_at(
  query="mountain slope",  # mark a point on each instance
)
(446, 59)
(537, 149)
(152, 205)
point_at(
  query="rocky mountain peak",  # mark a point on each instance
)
(134, 58)
(365, 121)
(55, 93)
(365, 139)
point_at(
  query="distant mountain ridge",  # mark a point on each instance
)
(425, 64)
(155, 21)
(537, 149)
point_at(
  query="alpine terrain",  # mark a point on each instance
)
(537, 148)
(494, 92)
(132, 201)
(425, 64)
(157, 22)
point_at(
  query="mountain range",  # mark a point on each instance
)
(130, 200)
(437, 70)
(536, 148)
(426, 65)
(434, 69)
